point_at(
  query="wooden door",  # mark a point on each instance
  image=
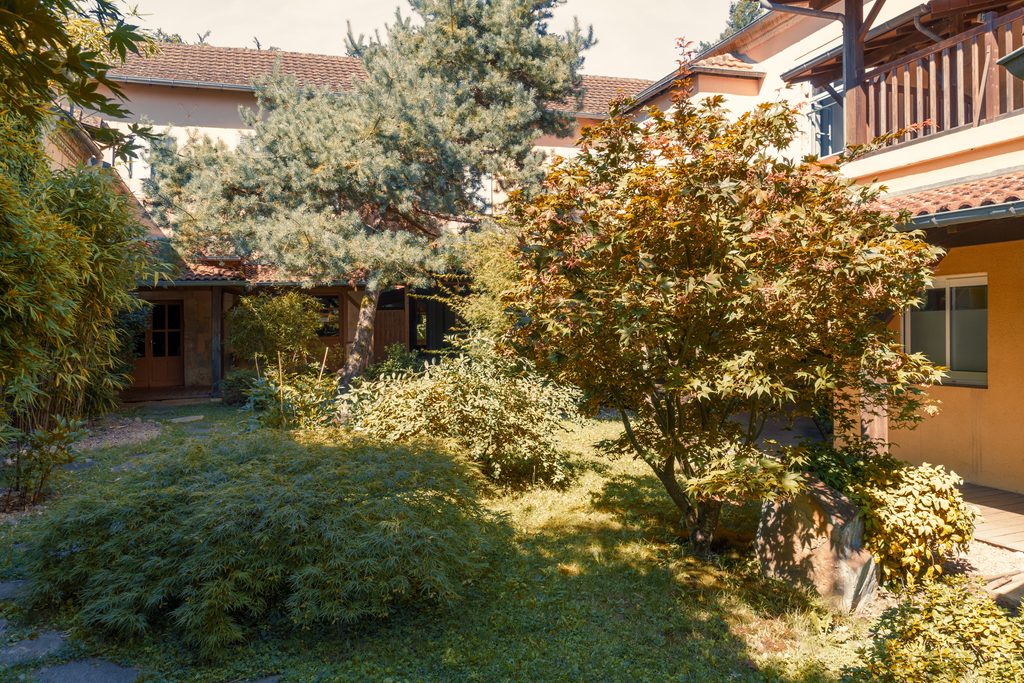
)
(161, 362)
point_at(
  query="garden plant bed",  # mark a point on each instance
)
(592, 587)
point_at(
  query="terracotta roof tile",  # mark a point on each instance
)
(238, 66)
(235, 67)
(212, 270)
(725, 61)
(966, 195)
(600, 91)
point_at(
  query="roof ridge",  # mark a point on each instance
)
(251, 50)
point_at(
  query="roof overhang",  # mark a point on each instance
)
(827, 66)
(975, 214)
(174, 83)
(668, 82)
(238, 87)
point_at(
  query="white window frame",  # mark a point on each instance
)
(953, 377)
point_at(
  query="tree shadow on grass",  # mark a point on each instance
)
(595, 587)
(641, 502)
(598, 592)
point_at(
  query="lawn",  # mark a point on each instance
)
(593, 587)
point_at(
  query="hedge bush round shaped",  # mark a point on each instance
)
(209, 540)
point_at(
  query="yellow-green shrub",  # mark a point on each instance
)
(914, 516)
(947, 631)
(265, 325)
(496, 410)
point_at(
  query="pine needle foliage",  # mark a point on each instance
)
(209, 541)
(364, 185)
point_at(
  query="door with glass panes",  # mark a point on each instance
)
(160, 360)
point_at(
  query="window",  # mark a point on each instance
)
(418, 322)
(950, 327)
(329, 316)
(827, 118)
(392, 300)
(165, 330)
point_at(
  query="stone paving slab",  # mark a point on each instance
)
(13, 590)
(186, 418)
(46, 643)
(268, 679)
(87, 671)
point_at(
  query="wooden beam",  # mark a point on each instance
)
(832, 92)
(855, 105)
(216, 339)
(870, 20)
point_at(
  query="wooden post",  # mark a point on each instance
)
(991, 76)
(855, 105)
(216, 340)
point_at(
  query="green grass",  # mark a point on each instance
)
(595, 587)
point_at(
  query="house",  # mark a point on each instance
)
(198, 89)
(861, 69)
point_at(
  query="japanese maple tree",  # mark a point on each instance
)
(687, 272)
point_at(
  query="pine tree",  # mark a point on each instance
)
(366, 185)
(741, 13)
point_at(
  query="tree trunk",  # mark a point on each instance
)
(702, 522)
(699, 517)
(362, 342)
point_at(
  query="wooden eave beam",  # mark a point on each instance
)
(869, 20)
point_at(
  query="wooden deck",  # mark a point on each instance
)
(1002, 516)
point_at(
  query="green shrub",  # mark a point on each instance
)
(399, 360)
(496, 410)
(265, 325)
(71, 252)
(34, 459)
(211, 539)
(286, 400)
(236, 386)
(945, 631)
(914, 516)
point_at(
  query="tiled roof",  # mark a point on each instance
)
(212, 270)
(236, 67)
(725, 61)
(966, 195)
(600, 91)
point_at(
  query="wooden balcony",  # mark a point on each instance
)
(949, 85)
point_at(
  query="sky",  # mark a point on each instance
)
(636, 38)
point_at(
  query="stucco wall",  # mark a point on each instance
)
(979, 432)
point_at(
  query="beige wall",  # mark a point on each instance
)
(979, 432)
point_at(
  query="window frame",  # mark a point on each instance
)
(963, 378)
(818, 102)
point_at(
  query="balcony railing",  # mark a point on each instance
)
(949, 85)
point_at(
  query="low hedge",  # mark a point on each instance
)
(945, 632)
(914, 515)
(208, 540)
